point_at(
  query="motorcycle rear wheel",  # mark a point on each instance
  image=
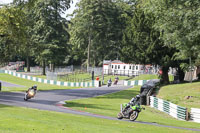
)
(134, 115)
(119, 115)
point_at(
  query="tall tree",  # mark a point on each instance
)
(95, 31)
(178, 23)
(142, 43)
(49, 32)
(12, 31)
(27, 47)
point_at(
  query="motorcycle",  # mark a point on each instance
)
(116, 81)
(109, 83)
(131, 112)
(30, 93)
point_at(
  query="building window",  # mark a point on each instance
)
(118, 66)
(124, 67)
(130, 67)
(136, 67)
(115, 66)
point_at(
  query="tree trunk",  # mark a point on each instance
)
(28, 63)
(181, 74)
(43, 68)
(52, 67)
(164, 75)
(88, 55)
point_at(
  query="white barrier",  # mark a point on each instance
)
(169, 108)
(195, 115)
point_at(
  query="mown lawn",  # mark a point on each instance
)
(178, 94)
(25, 120)
(27, 84)
(109, 105)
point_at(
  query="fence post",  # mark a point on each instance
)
(187, 115)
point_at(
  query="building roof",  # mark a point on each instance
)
(117, 61)
(106, 62)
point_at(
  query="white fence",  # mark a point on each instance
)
(195, 115)
(53, 82)
(169, 108)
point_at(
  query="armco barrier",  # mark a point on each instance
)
(195, 115)
(135, 82)
(169, 108)
(2, 71)
(53, 82)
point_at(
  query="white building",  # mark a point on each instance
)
(117, 67)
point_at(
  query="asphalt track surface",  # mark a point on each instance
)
(6, 84)
(52, 100)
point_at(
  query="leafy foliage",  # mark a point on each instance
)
(98, 21)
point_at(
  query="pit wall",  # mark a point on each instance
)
(94, 83)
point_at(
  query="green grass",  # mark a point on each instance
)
(109, 105)
(27, 84)
(25, 120)
(177, 94)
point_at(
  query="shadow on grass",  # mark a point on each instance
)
(4, 106)
(125, 94)
(85, 106)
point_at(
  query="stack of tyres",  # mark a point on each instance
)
(151, 84)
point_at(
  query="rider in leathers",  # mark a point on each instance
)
(133, 101)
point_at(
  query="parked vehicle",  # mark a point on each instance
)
(130, 110)
(30, 93)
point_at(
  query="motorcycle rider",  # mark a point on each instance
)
(116, 80)
(133, 101)
(33, 88)
(109, 82)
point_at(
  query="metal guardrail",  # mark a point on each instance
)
(195, 115)
(135, 82)
(53, 82)
(169, 108)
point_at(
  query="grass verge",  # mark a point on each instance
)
(27, 84)
(109, 105)
(24, 120)
(186, 94)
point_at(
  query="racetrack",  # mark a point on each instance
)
(50, 100)
(7, 84)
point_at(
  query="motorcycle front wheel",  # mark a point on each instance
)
(26, 97)
(119, 115)
(134, 115)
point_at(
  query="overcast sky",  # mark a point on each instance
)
(69, 11)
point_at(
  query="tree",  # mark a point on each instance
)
(12, 31)
(49, 32)
(142, 43)
(27, 47)
(178, 23)
(96, 31)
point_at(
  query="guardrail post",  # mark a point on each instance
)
(187, 115)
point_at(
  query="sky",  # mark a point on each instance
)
(69, 11)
